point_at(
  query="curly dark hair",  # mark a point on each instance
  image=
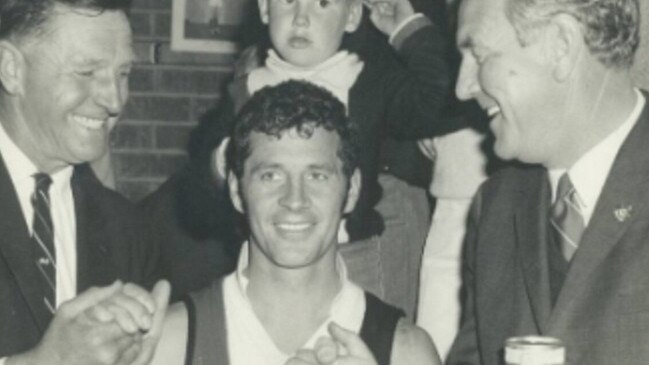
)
(611, 27)
(293, 105)
(19, 18)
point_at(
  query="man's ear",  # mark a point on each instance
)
(263, 10)
(354, 15)
(235, 192)
(353, 192)
(12, 68)
(219, 160)
(565, 43)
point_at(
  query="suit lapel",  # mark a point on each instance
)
(531, 223)
(17, 250)
(620, 202)
(94, 264)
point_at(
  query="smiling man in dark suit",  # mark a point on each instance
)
(64, 69)
(558, 247)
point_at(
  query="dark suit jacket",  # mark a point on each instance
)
(602, 311)
(108, 248)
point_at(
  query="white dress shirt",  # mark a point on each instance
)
(589, 173)
(245, 331)
(22, 170)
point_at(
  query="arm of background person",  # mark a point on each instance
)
(418, 82)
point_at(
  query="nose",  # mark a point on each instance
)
(467, 85)
(301, 17)
(110, 93)
(294, 196)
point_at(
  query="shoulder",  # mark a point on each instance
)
(413, 346)
(85, 181)
(173, 342)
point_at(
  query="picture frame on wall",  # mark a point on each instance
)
(207, 26)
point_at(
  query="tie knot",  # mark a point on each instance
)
(43, 182)
(565, 187)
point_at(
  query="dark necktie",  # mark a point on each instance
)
(566, 218)
(43, 239)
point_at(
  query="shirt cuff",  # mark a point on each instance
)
(408, 26)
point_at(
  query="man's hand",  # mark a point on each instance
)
(103, 326)
(160, 294)
(343, 348)
(388, 14)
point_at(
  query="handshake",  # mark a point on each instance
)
(118, 324)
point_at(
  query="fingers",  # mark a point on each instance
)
(160, 293)
(382, 8)
(133, 311)
(350, 341)
(89, 298)
(303, 357)
(326, 350)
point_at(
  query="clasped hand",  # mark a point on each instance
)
(117, 325)
(344, 347)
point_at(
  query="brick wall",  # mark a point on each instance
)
(168, 93)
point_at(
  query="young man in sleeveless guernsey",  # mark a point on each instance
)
(294, 174)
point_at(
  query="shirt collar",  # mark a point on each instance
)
(242, 266)
(589, 173)
(19, 166)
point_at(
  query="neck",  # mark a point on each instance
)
(315, 283)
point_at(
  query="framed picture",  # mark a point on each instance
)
(207, 25)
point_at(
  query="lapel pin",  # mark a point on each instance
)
(623, 213)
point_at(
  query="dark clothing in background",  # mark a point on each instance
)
(195, 225)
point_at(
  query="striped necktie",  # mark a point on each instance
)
(566, 218)
(43, 239)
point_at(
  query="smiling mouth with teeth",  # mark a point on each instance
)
(491, 111)
(90, 123)
(294, 226)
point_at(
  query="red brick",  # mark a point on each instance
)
(162, 108)
(141, 79)
(141, 22)
(190, 81)
(146, 165)
(132, 136)
(162, 25)
(172, 137)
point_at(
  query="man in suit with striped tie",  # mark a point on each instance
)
(557, 247)
(64, 68)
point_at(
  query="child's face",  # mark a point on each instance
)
(307, 32)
